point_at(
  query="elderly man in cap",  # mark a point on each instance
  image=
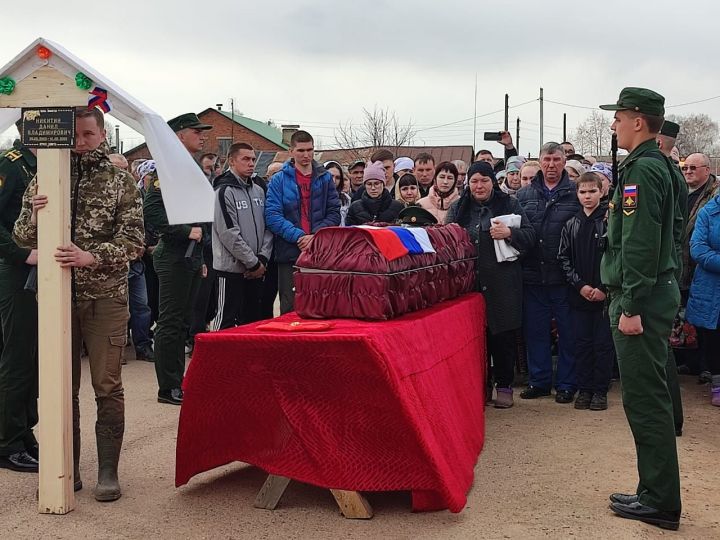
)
(639, 269)
(178, 260)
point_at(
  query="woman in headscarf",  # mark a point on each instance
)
(443, 191)
(407, 190)
(499, 282)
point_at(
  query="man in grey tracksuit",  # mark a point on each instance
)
(241, 243)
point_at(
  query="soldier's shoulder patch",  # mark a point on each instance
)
(630, 198)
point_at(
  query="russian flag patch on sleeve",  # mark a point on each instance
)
(630, 197)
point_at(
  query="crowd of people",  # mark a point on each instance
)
(547, 296)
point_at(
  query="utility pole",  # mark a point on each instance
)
(475, 114)
(541, 118)
(564, 126)
(232, 123)
(507, 112)
(117, 138)
(517, 135)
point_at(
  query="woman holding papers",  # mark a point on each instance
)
(485, 212)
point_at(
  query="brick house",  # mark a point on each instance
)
(263, 137)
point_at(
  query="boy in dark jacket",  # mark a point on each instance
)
(241, 243)
(582, 243)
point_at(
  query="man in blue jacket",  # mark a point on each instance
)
(549, 201)
(301, 200)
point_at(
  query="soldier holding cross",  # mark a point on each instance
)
(107, 232)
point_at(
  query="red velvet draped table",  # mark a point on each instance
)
(364, 406)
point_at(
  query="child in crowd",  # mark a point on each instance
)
(582, 243)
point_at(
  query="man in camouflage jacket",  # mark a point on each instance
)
(107, 232)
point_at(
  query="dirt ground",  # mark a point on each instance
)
(546, 472)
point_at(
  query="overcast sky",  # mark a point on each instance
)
(319, 62)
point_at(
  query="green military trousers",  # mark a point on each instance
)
(179, 279)
(646, 398)
(18, 361)
(673, 382)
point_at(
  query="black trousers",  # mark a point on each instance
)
(153, 287)
(503, 350)
(18, 361)
(270, 291)
(238, 301)
(286, 287)
(204, 308)
(710, 344)
(594, 350)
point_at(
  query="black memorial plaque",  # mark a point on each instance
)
(48, 127)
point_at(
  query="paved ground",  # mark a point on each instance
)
(546, 472)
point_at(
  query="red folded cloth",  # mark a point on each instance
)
(296, 326)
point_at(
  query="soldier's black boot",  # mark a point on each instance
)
(77, 483)
(109, 442)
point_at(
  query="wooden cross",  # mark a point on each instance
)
(47, 87)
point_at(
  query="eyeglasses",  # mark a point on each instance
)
(692, 168)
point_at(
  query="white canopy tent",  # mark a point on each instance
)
(187, 194)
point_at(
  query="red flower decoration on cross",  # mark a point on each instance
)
(43, 52)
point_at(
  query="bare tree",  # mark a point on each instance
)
(379, 127)
(592, 135)
(698, 133)
(110, 133)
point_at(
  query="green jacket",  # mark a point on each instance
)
(106, 219)
(644, 228)
(17, 167)
(174, 237)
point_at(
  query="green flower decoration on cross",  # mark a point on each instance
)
(83, 81)
(7, 86)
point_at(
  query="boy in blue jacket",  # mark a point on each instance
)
(582, 243)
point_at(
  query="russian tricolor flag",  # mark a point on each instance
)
(396, 242)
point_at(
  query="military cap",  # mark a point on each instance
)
(639, 100)
(356, 163)
(187, 120)
(416, 216)
(670, 129)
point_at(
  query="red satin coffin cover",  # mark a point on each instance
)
(343, 274)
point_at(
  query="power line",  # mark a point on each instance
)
(692, 102)
(570, 105)
(478, 116)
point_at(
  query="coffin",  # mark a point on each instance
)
(345, 274)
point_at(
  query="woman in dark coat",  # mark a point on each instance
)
(376, 203)
(499, 282)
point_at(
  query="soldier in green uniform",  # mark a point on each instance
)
(18, 314)
(178, 260)
(639, 269)
(666, 141)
